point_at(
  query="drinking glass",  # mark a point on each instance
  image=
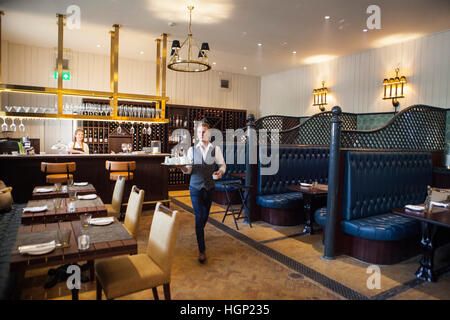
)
(35, 109)
(13, 126)
(129, 147)
(63, 237)
(72, 195)
(26, 109)
(21, 126)
(8, 108)
(4, 125)
(58, 186)
(69, 183)
(124, 147)
(149, 130)
(71, 205)
(83, 242)
(85, 219)
(57, 203)
(17, 108)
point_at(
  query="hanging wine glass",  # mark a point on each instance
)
(4, 125)
(21, 126)
(13, 126)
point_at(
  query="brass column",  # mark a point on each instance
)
(158, 67)
(115, 66)
(111, 75)
(61, 23)
(163, 75)
(1, 14)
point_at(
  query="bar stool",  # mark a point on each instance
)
(59, 172)
(122, 169)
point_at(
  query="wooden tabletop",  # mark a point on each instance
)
(80, 190)
(438, 215)
(320, 189)
(95, 207)
(71, 254)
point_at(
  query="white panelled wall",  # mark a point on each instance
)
(355, 81)
(28, 65)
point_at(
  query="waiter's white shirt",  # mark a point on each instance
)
(77, 146)
(218, 157)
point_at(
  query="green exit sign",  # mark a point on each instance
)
(66, 75)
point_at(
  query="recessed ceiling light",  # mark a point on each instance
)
(245, 68)
(294, 52)
(364, 30)
(284, 43)
(142, 52)
(259, 44)
(214, 63)
(327, 17)
(98, 46)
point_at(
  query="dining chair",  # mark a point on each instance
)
(134, 210)
(125, 275)
(120, 169)
(116, 202)
(58, 172)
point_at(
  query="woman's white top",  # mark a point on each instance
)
(77, 146)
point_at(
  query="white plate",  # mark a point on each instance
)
(305, 184)
(87, 197)
(80, 184)
(101, 221)
(42, 190)
(35, 209)
(46, 248)
(414, 207)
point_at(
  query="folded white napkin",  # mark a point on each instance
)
(35, 209)
(415, 207)
(45, 189)
(101, 221)
(440, 204)
(39, 248)
(79, 184)
(87, 197)
(305, 184)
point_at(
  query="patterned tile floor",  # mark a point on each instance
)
(263, 262)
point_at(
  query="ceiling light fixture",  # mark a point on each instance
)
(364, 30)
(142, 52)
(189, 64)
(294, 52)
(327, 17)
(259, 44)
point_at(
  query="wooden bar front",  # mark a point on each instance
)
(23, 173)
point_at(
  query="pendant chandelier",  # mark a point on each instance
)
(188, 63)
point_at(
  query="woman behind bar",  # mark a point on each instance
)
(203, 158)
(78, 146)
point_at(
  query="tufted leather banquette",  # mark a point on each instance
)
(374, 184)
(296, 164)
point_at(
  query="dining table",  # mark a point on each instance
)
(312, 194)
(105, 241)
(40, 192)
(430, 222)
(95, 207)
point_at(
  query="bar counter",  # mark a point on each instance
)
(23, 173)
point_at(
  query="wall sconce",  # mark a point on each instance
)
(320, 97)
(394, 89)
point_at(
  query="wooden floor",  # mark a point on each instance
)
(262, 262)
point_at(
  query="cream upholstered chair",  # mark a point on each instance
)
(116, 202)
(124, 275)
(134, 210)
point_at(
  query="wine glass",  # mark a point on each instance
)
(17, 108)
(124, 147)
(4, 125)
(13, 126)
(21, 126)
(35, 109)
(8, 108)
(26, 109)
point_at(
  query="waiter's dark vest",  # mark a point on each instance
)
(201, 176)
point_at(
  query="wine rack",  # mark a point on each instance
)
(179, 116)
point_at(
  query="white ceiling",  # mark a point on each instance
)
(233, 28)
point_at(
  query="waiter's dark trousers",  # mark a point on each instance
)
(201, 201)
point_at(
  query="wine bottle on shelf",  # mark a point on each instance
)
(95, 135)
(100, 136)
(90, 135)
(85, 136)
(105, 139)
